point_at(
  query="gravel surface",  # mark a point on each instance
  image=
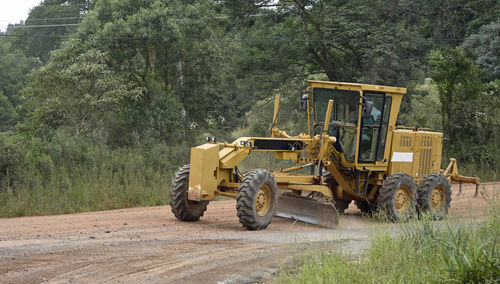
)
(150, 245)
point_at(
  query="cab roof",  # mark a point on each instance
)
(356, 86)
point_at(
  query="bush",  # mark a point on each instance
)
(69, 173)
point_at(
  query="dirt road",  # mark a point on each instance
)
(150, 245)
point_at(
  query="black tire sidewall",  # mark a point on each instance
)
(388, 192)
(247, 194)
(183, 208)
(428, 183)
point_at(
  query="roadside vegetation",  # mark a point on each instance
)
(100, 105)
(424, 252)
(72, 174)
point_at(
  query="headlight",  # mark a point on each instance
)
(248, 144)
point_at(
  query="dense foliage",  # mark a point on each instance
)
(128, 77)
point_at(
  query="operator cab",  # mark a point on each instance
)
(353, 109)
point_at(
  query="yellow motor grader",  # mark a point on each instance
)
(354, 151)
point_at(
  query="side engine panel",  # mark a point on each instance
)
(416, 153)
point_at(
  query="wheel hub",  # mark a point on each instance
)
(263, 200)
(437, 198)
(402, 199)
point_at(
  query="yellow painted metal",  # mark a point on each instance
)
(233, 153)
(291, 169)
(356, 86)
(229, 184)
(358, 133)
(308, 112)
(412, 151)
(416, 153)
(233, 158)
(344, 191)
(286, 178)
(292, 156)
(323, 189)
(203, 172)
(437, 198)
(263, 200)
(276, 108)
(231, 194)
(326, 140)
(402, 199)
(402, 158)
(451, 173)
(327, 115)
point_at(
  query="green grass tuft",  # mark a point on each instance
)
(425, 252)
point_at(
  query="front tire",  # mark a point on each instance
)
(434, 195)
(183, 208)
(257, 199)
(398, 197)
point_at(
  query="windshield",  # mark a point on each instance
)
(345, 105)
(344, 117)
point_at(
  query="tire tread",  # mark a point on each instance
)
(246, 199)
(178, 201)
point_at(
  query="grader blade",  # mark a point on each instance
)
(307, 210)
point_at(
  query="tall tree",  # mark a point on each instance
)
(14, 67)
(346, 40)
(47, 26)
(469, 106)
(171, 54)
(486, 46)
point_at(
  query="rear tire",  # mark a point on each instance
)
(398, 197)
(340, 205)
(257, 199)
(184, 209)
(434, 195)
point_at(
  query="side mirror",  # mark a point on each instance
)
(303, 102)
(366, 112)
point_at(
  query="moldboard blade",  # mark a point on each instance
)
(307, 210)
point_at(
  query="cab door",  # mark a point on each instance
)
(373, 133)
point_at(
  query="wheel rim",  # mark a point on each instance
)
(437, 198)
(263, 200)
(402, 199)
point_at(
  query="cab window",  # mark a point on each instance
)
(374, 128)
(344, 118)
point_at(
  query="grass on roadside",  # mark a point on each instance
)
(425, 252)
(75, 174)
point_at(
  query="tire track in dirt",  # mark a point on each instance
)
(149, 245)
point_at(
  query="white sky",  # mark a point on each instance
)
(14, 11)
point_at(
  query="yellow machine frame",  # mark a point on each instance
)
(213, 165)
